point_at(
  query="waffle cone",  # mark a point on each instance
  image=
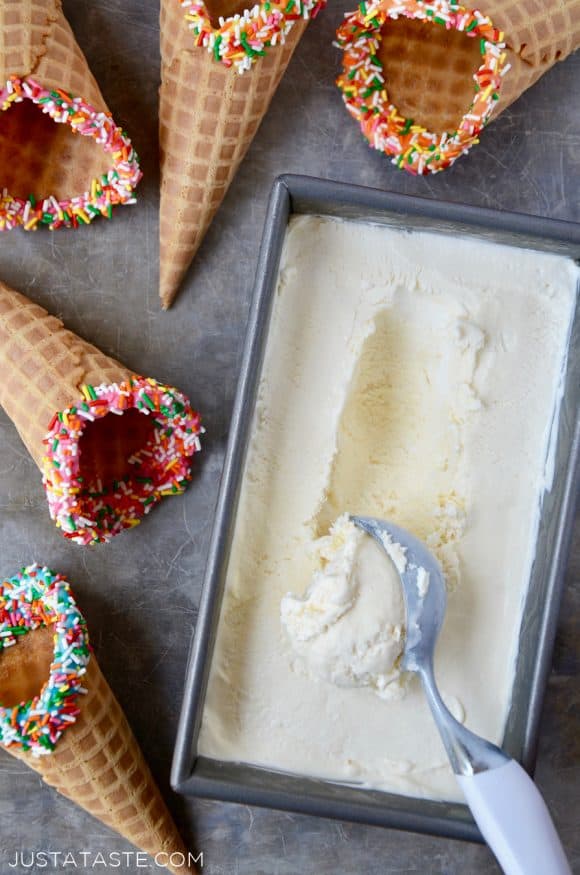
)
(428, 70)
(97, 762)
(60, 392)
(43, 367)
(37, 155)
(209, 115)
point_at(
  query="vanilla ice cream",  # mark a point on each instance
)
(414, 377)
(348, 628)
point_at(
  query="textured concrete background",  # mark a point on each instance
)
(141, 592)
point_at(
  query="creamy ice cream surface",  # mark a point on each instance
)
(409, 376)
(348, 629)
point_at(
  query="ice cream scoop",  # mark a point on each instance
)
(506, 804)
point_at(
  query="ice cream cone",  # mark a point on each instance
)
(102, 472)
(84, 747)
(63, 161)
(214, 94)
(431, 91)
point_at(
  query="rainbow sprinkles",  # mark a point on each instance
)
(411, 146)
(242, 39)
(37, 597)
(113, 188)
(89, 513)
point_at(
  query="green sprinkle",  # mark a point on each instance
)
(32, 200)
(471, 26)
(148, 401)
(247, 47)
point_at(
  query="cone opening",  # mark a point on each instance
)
(115, 454)
(400, 65)
(62, 163)
(25, 668)
(37, 155)
(428, 72)
(222, 9)
(40, 676)
(239, 34)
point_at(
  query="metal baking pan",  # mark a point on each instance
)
(239, 782)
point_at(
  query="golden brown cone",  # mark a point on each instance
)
(209, 115)
(37, 155)
(43, 366)
(97, 762)
(428, 70)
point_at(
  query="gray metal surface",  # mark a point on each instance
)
(141, 592)
(242, 783)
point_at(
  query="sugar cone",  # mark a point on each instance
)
(96, 762)
(209, 115)
(38, 156)
(428, 70)
(45, 369)
(538, 34)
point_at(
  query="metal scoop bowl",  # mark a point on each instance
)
(506, 804)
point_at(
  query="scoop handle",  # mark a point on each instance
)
(514, 820)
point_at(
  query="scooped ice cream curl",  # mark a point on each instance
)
(348, 628)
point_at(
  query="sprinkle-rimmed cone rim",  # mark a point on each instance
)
(411, 146)
(96, 512)
(113, 188)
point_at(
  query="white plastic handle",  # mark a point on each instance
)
(514, 820)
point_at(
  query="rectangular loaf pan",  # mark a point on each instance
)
(238, 782)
